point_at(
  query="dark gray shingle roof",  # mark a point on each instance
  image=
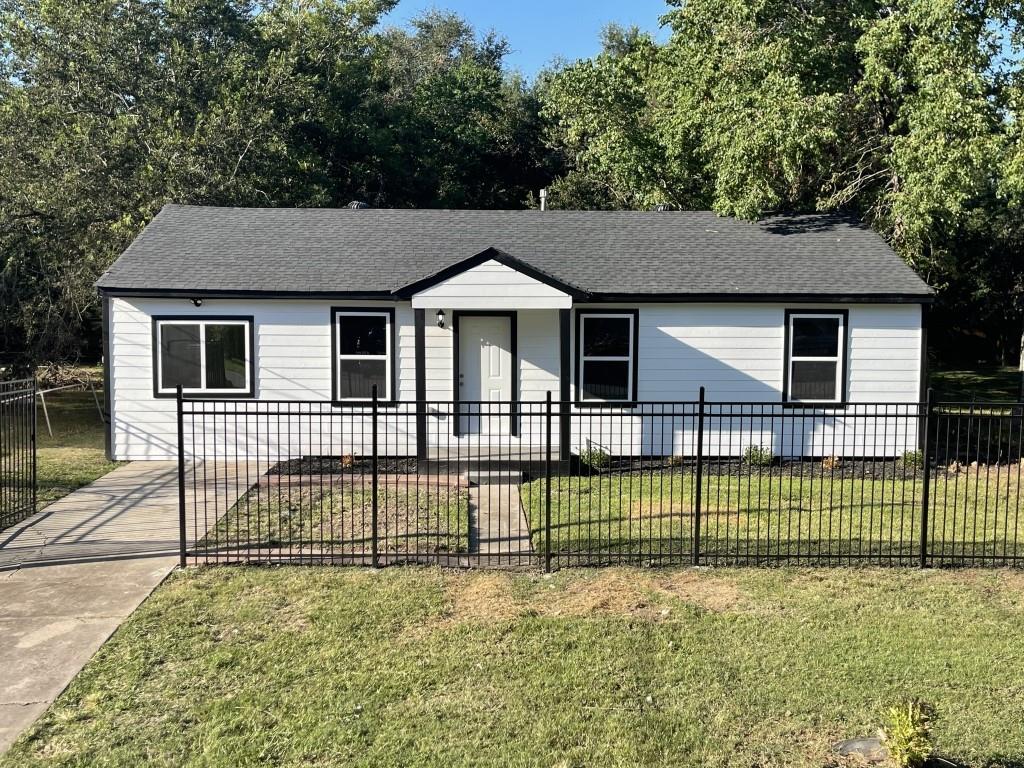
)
(282, 250)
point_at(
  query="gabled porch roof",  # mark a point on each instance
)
(491, 279)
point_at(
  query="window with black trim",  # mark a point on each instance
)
(606, 348)
(816, 357)
(364, 356)
(206, 356)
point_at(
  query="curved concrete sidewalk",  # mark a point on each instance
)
(52, 621)
(71, 574)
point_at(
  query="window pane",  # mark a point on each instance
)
(179, 356)
(813, 381)
(605, 380)
(605, 336)
(362, 334)
(225, 356)
(815, 336)
(357, 377)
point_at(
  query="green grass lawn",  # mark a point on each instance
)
(618, 667)
(336, 518)
(74, 456)
(974, 513)
(978, 384)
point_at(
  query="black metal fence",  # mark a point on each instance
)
(17, 451)
(549, 484)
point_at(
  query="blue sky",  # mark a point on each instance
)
(541, 30)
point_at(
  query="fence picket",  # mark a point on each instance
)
(813, 484)
(699, 480)
(17, 451)
(926, 481)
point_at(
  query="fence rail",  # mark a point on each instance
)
(17, 451)
(553, 484)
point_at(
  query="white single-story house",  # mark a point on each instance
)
(604, 309)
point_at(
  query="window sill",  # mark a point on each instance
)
(363, 403)
(206, 395)
(834, 406)
(619, 404)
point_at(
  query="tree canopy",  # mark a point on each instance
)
(907, 112)
(109, 109)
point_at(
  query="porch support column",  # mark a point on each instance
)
(421, 383)
(564, 378)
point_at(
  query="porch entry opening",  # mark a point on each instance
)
(486, 373)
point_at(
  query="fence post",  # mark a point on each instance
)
(35, 457)
(699, 478)
(926, 483)
(373, 482)
(547, 485)
(182, 533)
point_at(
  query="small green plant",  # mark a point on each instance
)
(912, 459)
(595, 458)
(908, 735)
(758, 456)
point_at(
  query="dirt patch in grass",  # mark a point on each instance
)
(482, 597)
(609, 592)
(713, 593)
(617, 592)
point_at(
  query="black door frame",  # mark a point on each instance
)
(512, 315)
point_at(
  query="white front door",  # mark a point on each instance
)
(485, 373)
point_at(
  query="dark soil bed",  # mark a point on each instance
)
(342, 465)
(881, 469)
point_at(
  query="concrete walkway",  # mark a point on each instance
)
(498, 528)
(52, 621)
(130, 512)
(71, 574)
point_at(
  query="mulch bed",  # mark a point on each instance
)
(313, 470)
(360, 480)
(856, 469)
(342, 465)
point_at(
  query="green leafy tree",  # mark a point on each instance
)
(605, 117)
(463, 132)
(109, 109)
(907, 112)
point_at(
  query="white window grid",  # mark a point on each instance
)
(837, 358)
(386, 357)
(606, 358)
(202, 388)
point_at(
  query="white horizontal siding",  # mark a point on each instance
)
(492, 285)
(293, 363)
(734, 350)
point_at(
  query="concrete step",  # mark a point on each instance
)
(491, 477)
(456, 462)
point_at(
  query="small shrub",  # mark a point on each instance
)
(758, 456)
(912, 459)
(595, 458)
(831, 462)
(347, 460)
(908, 735)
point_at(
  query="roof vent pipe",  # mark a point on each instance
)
(357, 205)
(544, 199)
